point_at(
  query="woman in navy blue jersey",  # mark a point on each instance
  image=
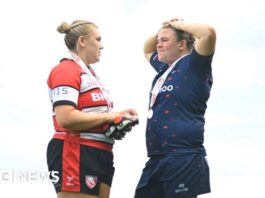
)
(175, 126)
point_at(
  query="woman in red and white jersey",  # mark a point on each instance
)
(79, 155)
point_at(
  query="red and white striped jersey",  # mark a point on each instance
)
(69, 84)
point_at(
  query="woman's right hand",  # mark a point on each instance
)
(128, 113)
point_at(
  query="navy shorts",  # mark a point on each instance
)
(78, 168)
(174, 176)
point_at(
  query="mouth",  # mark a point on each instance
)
(160, 52)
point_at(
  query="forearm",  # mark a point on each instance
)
(150, 47)
(150, 44)
(204, 33)
(197, 30)
(78, 121)
(72, 119)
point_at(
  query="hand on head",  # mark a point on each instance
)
(170, 22)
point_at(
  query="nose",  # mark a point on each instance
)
(158, 45)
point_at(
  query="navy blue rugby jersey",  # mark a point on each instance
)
(177, 124)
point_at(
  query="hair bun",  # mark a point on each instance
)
(64, 28)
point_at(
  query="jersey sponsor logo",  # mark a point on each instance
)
(181, 188)
(167, 88)
(91, 181)
(97, 97)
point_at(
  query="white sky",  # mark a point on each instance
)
(31, 46)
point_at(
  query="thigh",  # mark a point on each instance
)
(104, 191)
(74, 195)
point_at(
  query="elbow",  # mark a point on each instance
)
(64, 123)
(209, 39)
(206, 44)
(211, 34)
(64, 116)
(149, 50)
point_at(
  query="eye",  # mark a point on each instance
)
(162, 40)
(98, 39)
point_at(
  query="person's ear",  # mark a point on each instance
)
(182, 44)
(82, 41)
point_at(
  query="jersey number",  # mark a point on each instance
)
(60, 91)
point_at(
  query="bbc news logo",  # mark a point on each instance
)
(25, 176)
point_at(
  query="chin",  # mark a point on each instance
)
(161, 59)
(96, 60)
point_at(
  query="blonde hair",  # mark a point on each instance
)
(74, 30)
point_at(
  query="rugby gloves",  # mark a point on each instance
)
(120, 126)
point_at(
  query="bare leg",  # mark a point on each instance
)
(104, 191)
(74, 195)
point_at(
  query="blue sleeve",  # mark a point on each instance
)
(200, 65)
(156, 64)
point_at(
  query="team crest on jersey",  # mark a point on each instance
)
(91, 181)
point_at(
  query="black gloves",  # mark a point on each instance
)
(120, 126)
